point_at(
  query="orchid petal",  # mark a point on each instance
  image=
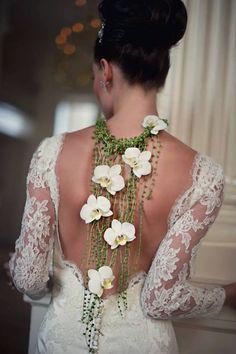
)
(101, 171)
(125, 159)
(85, 213)
(94, 179)
(116, 226)
(115, 170)
(94, 283)
(109, 213)
(118, 183)
(143, 169)
(109, 189)
(105, 272)
(110, 236)
(92, 201)
(145, 155)
(137, 172)
(150, 120)
(95, 287)
(128, 229)
(92, 273)
(103, 204)
(162, 124)
(132, 152)
(155, 130)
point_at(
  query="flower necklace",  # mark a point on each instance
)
(110, 214)
(152, 125)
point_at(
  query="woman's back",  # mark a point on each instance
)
(74, 172)
(74, 169)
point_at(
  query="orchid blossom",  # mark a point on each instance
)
(154, 122)
(95, 208)
(109, 178)
(100, 280)
(138, 161)
(119, 234)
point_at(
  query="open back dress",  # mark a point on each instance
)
(154, 296)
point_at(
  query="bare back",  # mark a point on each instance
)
(74, 171)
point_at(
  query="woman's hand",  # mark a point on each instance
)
(230, 291)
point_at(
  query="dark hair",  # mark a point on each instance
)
(138, 35)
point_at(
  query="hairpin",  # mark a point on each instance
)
(101, 32)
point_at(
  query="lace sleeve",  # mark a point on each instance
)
(167, 292)
(29, 265)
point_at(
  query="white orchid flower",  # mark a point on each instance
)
(119, 234)
(100, 280)
(109, 178)
(154, 122)
(95, 208)
(139, 161)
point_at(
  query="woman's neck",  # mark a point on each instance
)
(130, 108)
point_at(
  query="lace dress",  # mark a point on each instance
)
(154, 298)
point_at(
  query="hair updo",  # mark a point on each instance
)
(138, 35)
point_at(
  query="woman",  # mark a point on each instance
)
(118, 209)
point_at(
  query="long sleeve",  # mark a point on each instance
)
(29, 265)
(167, 292)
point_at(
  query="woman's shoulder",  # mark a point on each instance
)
(45, 155)
(81, 134)
(180, 153)
(177, 149)
(177, 159)
(50, 146)
(201, 176)
(185, 163)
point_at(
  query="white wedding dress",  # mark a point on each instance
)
(154, 298)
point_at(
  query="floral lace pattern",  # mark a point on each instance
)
(166, 292)
(61, 329)
(33, 250)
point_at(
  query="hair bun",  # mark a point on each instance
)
(145, 23)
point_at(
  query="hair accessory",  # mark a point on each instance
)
(101, 32)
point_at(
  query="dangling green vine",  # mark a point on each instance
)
(126, 204)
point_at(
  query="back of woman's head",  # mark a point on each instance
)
(137, 36)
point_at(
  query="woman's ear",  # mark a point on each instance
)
(107, 72)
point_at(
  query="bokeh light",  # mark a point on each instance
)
(70, 42)
(66, 31)
(80, 2)
(60, 40)
(69, 49)
(95, 23)
(78, 27)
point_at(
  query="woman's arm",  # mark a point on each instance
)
(167, 292)
(29, 265)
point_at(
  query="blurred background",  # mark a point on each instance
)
(46, 88)
(45, 70)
